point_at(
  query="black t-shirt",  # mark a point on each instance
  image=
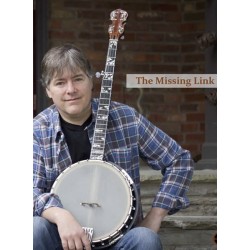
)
(77, 140)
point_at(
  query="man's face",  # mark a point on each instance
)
(71, 93)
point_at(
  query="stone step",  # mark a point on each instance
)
(193, 228)
(202, 192)
(205, 206)
(204, 182)
(190, 222)
(188, 232)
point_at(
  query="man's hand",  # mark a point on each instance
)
(153, 219)
(71, 233)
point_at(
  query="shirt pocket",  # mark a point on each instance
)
(121, 157)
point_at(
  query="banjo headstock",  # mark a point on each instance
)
(118, 18)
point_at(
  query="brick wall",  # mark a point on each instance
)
(160, 37)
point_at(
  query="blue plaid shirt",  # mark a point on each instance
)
(129, 137)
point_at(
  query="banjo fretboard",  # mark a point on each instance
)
(98, 144)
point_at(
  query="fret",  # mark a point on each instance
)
(103, 109)
(105, 95)
(106, 89)
(100, 126)
(104, 101)
(98, 145)
(102, 113)
(110, 62)
(100, 135)
(108, 76)
(100, 129)
(101, 119)
(107, 84)
(109, 69)
(99, 138)
(97, 155)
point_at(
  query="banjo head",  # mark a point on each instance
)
(100, 195)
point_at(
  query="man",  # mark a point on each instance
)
(62, 136)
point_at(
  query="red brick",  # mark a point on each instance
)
(193, 148)
(165, 48)
(168, 69)
(189, 7)
(149, 16)
(135, 5)
(166, 27)
(201, 5)
(202, 126)
(175, 117)
(188, 107)
(196, 117)
(189, 127)
(153, 98)
(194, 16)
(92, 14)
(138, 68)
(55, 24)
(178, 137)
(62, 35)
(133, 26)
(173, 16)
(157, 117)
(77, 4)
(188, 47)
(172, 127)
(165, 7)
(172, 58)
(198, 68)
(93, 35)
(143, 57)
(195, 97)
(194, 57)
(195, 137)
(129, 36)
(173, 99)
(149, 37)
(63, 14)
(193, 26)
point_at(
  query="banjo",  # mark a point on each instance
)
(101, 195)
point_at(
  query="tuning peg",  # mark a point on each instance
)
(98, 74)
(123, 37)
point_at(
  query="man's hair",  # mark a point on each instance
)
(57, 59)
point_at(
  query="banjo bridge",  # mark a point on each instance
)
(86, 204)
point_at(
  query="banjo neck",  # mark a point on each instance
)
(118, 18)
